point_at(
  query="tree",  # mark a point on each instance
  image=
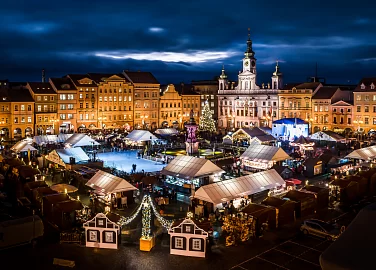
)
(206, 119)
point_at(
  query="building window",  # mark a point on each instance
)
(16, 107)
(70, 116)
(63, 97)
(81, 105)
(179, 242)
(358, 108)
(372, 86)
(349, 121)
(70, 96)
(358, 97)
(316, 108)
(70, 106)
(39, 98)
(87, 105)
(81, 96)
(16, 120)
(29, 119)
(366, 97)
(39, 108)
(366, 120)
(362, 86)
(366, 108)
(196, 244)
(62, 116)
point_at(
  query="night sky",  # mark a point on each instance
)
(187, 40)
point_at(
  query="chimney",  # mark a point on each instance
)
(43, 76)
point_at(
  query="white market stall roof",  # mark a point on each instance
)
(22, 146)
(108, 183)
(264, 152)
(353, 249)
(138, 135)
(329, 136)
(235, 188)
(191, 167)
(366, 153)
(46, 139)
(166, 131)
(61, 156)
(81, 139)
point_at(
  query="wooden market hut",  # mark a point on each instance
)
(50, 201)
(363, 182)
(306, 202)
(344, 191)
(64, 213)
(285, 210)
(28, 187)
(37, 195)
(27, 173)
(262, 214)
(321, 195)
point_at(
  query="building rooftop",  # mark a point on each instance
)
(102, 77)
(367, 82)
(20, 95)
(77, 77)
(185, 89)
(63, 84)
(325, 92)
(205, 82)
(140, 77)
(41, 88)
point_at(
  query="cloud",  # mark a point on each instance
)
(173, 57)
(156, 29)
(366, 60)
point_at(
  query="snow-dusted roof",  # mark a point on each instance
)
(235, 188)
(166, 131)
(141, 136)
(81, 139)
(191, 167)
(62, 156)
(257, 151)
(366, 153)
(45, 139)
(108, 183)
(22, 146)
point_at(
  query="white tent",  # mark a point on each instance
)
(62, 156)
(329, 136)
(46, 139)
(367, 153)
(235, 188)
(22, 146)
(354, 249)
(81, 139)
(257, 151)
(107, 183)
(138, 135)
(166, 131)
(191, 167)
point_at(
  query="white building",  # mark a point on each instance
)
(248, 104)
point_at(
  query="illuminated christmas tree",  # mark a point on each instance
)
(206, 119)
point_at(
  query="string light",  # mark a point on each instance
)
(146, 220)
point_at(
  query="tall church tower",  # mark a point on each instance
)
(249, 60)
(277, 79)
(222, 81)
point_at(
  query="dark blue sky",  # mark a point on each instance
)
(187, 40)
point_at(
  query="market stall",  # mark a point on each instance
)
(140, 137)
(166, 131)
(111, 190)
(262, 157)
(27, 172)
(303, 144)
(344, 191)
(234, 189)
(285, 210)
(321, 195)
(306, 202)
(68, 156)
(51, 139)
(243, 136)
(363, 183)
(65, 214)
(262, 215)
(366, 154)
(328, 136)
(186, 173)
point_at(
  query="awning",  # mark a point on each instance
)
(107, 183)
(366, 153)
(238, 187)
(62, 156)
(257, 151)
(48, 139)
(81, 139)
(191, 167)
(166, 131)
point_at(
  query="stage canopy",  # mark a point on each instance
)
(353, 249)
(257, 151)
(22, 146)
(166, 131)
(249, 133)
(104, 182)
(329, 136)
(48, 139)
(81, 139)
(367, 153)
(191, 167)
(141, 136)
(238, 187)
(62, 156)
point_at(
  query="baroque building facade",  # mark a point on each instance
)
(247, 104)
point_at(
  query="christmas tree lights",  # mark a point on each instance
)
(206, 119)
(146, 219)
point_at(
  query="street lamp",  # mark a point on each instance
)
(359, 122)
(310, 121)
(101, 119)
(143, 119)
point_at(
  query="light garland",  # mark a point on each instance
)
(165, 223)
(146, 220)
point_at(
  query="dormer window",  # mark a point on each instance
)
(372, 86)
(362, 86)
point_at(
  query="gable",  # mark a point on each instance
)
(114, 78)
(341, 103)
(85, 81)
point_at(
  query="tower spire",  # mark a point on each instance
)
(249, 53)
(223, 75)
(249, 33)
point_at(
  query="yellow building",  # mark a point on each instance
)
(170, 104)
(87, 101)
(66, 104)
(22, 111)
(115, 100)
(342, 115)
(190, 101)
(146, 99)
(365, 105)
(296, 100)
(5, 114)
(45, 98)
